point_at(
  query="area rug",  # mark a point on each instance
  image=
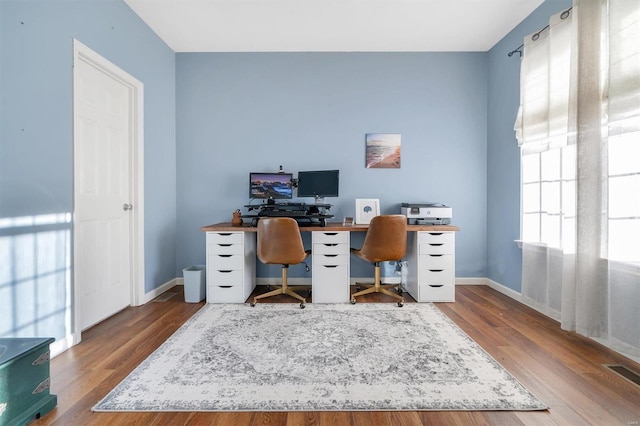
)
(277, 357)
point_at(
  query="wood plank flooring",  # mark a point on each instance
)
(563, 369)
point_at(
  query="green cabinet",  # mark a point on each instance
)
(24, 380)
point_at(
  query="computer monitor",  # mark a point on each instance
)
(319, 183)
(270, 185)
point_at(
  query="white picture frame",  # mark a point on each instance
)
(366, 209)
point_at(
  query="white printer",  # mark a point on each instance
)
(427, 213)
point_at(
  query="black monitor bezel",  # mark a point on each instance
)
(333, 194)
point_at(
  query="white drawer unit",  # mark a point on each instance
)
(330, 278)
(231, 263)
(437, 293)
(436, 243)
(330, 259)
(231, 266)
(431, 276)
(331, 237)
(225, 294)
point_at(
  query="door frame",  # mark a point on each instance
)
(136, 167)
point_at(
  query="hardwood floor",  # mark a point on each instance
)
(563, 369)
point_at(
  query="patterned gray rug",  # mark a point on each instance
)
(276, 357)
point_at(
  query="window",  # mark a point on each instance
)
(548, 197)
(622, 105)
(623, 200)
(548, 155)
(580, 170)
(548, 160)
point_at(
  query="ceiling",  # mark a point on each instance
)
(332, 25)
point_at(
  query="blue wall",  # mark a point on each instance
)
(210, 119)
(504, 258)
(242, 112)
(36, 139)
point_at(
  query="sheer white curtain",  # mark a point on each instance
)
(548, 164)
(581, 241)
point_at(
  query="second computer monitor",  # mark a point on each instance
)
(319, 183)
(270, 185)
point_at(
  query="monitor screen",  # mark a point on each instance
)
(320, 183)
(270, 185)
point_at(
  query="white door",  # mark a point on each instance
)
(103, 226)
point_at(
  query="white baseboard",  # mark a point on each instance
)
(470, 281)
(61, 345)
(307, 281)
(354, 280)
(278, 281)
(516, 295)
(369, 280)
(148, 297)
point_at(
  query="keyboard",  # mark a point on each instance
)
(283, 213)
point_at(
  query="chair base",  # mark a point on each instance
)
(282, 290)
(379, 288)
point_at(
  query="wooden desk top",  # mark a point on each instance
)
(331, 226)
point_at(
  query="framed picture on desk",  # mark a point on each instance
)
(366, 209)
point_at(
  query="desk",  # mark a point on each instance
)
(231, 262)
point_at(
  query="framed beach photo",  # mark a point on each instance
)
(382, 150)
(366, 209)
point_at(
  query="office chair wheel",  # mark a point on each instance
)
(400, 304)
(309, 293)
(302, 305)
(353, 301)
(252, 304)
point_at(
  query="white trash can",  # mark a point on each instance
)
(194, 283)
(390, 272)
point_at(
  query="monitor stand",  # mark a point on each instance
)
(318, 199)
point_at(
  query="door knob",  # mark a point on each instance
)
(126, 207)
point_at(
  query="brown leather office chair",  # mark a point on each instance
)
(280, 242)
(386, 240)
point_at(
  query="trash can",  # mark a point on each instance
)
(194, 283)
(390, 272)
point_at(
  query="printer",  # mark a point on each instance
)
(427, 213)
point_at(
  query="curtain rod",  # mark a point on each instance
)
(536, 36)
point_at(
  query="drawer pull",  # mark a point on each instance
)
(330, 255)
(436, 285)
(435, 233)
(330, 266)
(330, 244)
(225, 245)
(44, 357)
(44, 385)
(225, 234)
(436, 244)
(225, 271)
(330, 233)
(436, 270)
(225, 286)
(436, 255)
(225, 255)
